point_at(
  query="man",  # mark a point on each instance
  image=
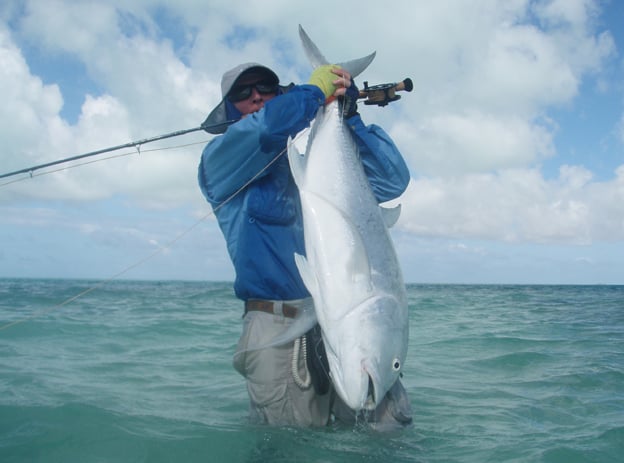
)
(245, 176)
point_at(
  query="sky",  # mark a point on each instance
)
(513, 134)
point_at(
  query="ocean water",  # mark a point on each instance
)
(141, 372)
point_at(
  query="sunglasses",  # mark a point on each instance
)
(242, 92)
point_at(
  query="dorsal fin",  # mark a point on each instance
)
(390, 215)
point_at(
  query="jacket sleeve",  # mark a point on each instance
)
(385, 167)
(231, 160)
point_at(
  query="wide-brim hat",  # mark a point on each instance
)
(217, 121)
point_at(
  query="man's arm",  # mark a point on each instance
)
(385, 167)
(234, 158)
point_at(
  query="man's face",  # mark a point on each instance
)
(258, 96)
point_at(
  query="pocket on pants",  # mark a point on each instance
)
(239, 361)
(262, 364)
(267, 385)
(240, 356)
(265, 396)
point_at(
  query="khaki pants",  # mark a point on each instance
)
(277, 399)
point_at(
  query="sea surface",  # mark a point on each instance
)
(133, 371)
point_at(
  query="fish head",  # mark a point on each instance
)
(366, 359)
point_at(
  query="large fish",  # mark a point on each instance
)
(350, 268)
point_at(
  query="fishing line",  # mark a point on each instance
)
(157, 251)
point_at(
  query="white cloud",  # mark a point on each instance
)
(149, 91)
(448, 144)
(30, 109)
(476, 130)
(518, 205)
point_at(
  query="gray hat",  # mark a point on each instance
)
(217, 121)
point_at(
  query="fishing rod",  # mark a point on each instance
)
(132, 144)
(379, 95)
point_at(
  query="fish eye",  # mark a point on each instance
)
(396, 364)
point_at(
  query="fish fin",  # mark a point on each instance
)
(357, 66)
(390, 215)
(302, 140)
(303, 322)
(307, 274)
(316, 58)
(314, 55)
(296, 161)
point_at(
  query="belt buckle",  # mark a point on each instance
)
(278, 308)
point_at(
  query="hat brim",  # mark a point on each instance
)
(217, 121)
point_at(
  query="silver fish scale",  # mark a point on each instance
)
(351, 268)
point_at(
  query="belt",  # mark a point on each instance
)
(272, 307)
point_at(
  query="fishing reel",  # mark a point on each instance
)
(383, 94)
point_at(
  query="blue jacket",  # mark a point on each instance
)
(262, 223)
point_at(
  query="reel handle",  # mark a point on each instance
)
(406, 85)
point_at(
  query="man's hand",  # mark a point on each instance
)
(331, 79)
(348, 102)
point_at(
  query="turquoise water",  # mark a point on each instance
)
(141, 372)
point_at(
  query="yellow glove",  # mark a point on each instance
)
(323, 78)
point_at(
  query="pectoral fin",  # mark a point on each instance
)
(307, 275)
(296, 161)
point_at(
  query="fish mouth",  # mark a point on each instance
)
(371, 400)
(362, 397)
